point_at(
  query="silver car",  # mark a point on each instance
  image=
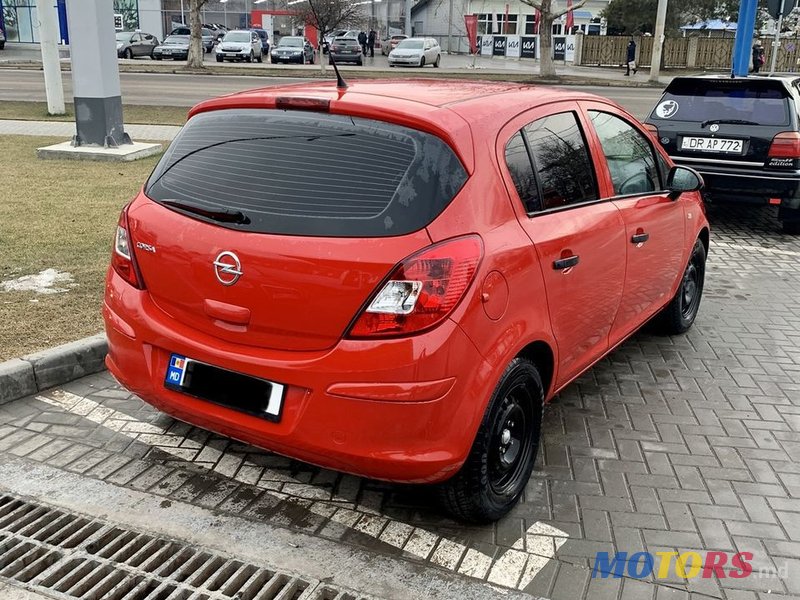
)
(240, 44)
(416, 52)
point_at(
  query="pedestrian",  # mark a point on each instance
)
(371, 42)
(758, 56)
(362, 40)
(630, 59)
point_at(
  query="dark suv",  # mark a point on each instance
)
(741, 134)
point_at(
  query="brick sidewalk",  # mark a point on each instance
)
(679, 444)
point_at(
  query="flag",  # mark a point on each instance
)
(505, 23)
(471, 24)
(536, 20)
(570, 17)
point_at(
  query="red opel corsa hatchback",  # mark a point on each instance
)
(392, 279)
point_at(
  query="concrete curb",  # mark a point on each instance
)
(358, 73)
(20, 377)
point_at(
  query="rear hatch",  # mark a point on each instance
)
(272, 228)
(718, 121)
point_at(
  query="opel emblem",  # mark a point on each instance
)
(714, 128)
(227, 268)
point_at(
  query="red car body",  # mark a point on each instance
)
(398, 407)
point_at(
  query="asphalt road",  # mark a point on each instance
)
(186, 90)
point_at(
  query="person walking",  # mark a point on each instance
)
(371, 42)
(630, 59)
(758, 56)
(362, 40)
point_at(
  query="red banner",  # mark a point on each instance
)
(570, 18)
(471, 23)
(537, 17)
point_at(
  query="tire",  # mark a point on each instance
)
(260, 58)
(421, 62)
(679, 315)
(250, 57)
(152, 54)
(436, 62)
(490, 482)
(128, 54)
(220, 59)
(360, 63)
(159, 57)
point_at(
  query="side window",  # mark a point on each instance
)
(561, 160)
(521, 169)
(136, 38)
(628, 153)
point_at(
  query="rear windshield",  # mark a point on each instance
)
(762, 102)
(410, 44)
(302, 173)
(237, 36)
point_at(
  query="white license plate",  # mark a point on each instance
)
(705, 144)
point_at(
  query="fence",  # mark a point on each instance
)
(688, 52)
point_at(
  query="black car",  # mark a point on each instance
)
(293, 49)
(741, 134)
(346, 50)
(264, 37)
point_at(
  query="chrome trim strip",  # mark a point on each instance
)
(717, 161)
(754, 176)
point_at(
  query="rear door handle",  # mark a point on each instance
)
(566, 263)
(640, 238)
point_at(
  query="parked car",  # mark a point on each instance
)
(346, 50)
(339, 33)
(416, 52)
(264, 37)
(2, 39)
(742, 134)
(218, 30)
(279, 281)
(240, 45)
(209, 37)
(175, 47)
(390, 43)
(293, 49)
(131, 44)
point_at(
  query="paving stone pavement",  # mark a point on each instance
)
(689, 443)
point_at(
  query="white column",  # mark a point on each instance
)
(48, 41)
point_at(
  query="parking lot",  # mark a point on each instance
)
(678, 444)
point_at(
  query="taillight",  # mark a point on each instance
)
(785, 145)
(122, 259)
(422, 290)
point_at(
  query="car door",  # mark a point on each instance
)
(579, 238)
(150, 42)
(654, 222)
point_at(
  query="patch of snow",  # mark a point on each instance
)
(42, 283)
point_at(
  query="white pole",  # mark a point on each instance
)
(48, 41)
(658, 41)
(408, 18)
(777, 41)
(183, 17)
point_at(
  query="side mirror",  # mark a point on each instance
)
(683, 179)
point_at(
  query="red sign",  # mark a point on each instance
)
(471, 23)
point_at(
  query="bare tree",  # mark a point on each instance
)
(547, 16)
(196, 49)
(328, 16)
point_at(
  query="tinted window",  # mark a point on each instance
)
(519, 165)
(763, 102)
(295, 172)
(237, 36)
(628, 154)
(561, 160)
(293, 42)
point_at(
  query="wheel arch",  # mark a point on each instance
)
(705, 237)
(541, 354)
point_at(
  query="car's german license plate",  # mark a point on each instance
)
(238, 391)
(707, 144)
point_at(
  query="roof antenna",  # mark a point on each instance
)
(340, 82)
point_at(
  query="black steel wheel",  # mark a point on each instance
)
(679, 315)
(501, 460)
(128, 53)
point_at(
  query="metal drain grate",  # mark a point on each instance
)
(71, 557)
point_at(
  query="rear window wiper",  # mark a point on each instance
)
(223, 215)
(705, 124)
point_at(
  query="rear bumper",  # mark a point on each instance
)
(747, 185)
(400, 410)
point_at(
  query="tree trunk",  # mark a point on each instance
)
(196, 50)
(546, 66)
